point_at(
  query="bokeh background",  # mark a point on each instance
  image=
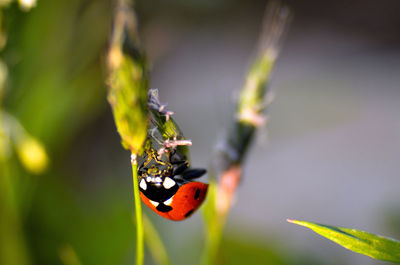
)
(330, 153)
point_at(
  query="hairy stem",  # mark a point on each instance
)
(248, 117)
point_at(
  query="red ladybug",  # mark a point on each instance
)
(167, 188)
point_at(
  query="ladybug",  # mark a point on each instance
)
(166, 185)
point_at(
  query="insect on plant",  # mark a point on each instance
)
(166, 181)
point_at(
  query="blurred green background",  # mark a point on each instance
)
(331, 155)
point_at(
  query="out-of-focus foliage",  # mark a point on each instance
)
(55, 60)
(30, 151)
(242, 250)
(32, 155)
(238, 248)
(248, 116)
(55, 89)
(392, 220)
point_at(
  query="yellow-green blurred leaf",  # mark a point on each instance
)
(68, 255)
(26, 5)
(32, 154)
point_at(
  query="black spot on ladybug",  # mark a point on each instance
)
(163, 208)
(189, 213)
(197, 194)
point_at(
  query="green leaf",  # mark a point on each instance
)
(374, 246)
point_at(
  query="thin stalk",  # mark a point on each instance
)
(247, 119)
(138, 214)
(13, 249)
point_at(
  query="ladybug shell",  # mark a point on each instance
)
(184, 202)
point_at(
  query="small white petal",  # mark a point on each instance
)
(168, 183)
(168, 202)
(158, 179)
(143, 184)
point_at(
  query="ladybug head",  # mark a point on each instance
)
(156, 186)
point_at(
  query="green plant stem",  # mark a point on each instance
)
(127, 95)
(138, 215)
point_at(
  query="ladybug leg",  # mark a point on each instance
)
(150, 156)
(193, 173)
(179, 167)
(154, 156)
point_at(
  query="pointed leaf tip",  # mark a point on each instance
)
(374, 246)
